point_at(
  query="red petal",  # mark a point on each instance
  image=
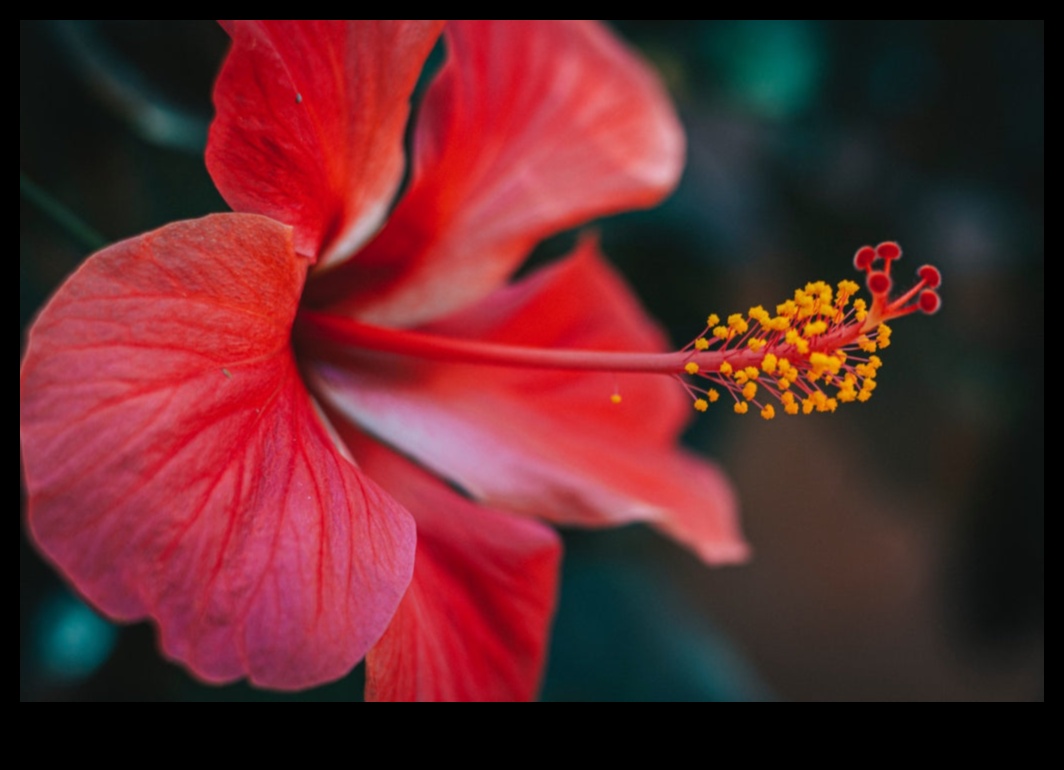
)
(474, 623)
(177, 469)
(547, 443)
(531, 128)
(310, 122)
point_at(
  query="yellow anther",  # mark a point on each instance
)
(847, 395)
(883, 338)
(787, 399)
(780, 324)
(701, 405)
(768, 412)
(721, 332)
(713, 396)
(750, 391)
(866, 344)
(760, 315)
(808, 407)
(783, 383)
(768, 365)
(860, 309)
(814, 329)
(701, 344)
(712, 321)
(752, 372)
(875, 362)
(741, 378)
(785, 366)
(615, 398)
(738, 324)
(691, 368)
(846, 290)
(788, 309)
(864, 396)
(756, 344)
(791, 409)
(742, 408)
(725, 368)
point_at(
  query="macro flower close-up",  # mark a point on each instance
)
(511, 360)
(219, 435)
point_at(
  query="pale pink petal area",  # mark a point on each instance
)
(475, 621)
(532, 127)
(310, 122)
(177, 469)
(546, 443)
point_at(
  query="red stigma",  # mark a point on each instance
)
(864, 258)
(930, 302)
(888, 251)
(931, 276)
(879, 283)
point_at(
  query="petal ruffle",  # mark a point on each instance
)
(546, 443)
(475, 621)
(177, 468)
(310, 122)
(532, 127)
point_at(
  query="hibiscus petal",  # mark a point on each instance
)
(474, 623)
(177, 468)
(532, 127)
(546, 443)
(310, 122)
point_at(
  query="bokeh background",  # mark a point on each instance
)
(898, 545)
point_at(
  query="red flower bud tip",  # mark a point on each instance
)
(816, 352)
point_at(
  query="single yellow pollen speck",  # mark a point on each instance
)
(713, 396)
(691, 368)
(750, 391)
(701, 344)
(742, 408)
(701, 405)
(712, 321)
(768, 365)
(615, 398)
(768, 412)
(725, 368)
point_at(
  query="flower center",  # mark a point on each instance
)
(817, 351)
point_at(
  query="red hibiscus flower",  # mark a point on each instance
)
(331, 427)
